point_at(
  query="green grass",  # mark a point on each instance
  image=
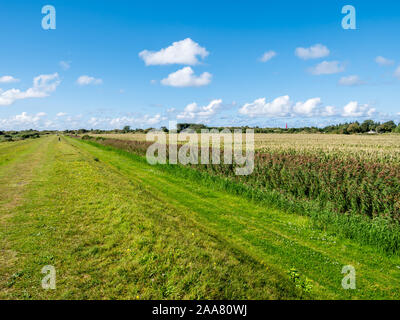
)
(9, 151)
(117, 228)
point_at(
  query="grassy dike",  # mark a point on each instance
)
(116, 227)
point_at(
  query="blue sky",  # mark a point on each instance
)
(199, 62)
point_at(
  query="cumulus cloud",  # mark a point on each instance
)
(8, 79)
(119, 122)
(180, 52)
(327, 67)
(62, 121)
(284, 107)
(43, 85)
(307, 108)
(354, 109)
(86, 80)
(313, 52)
(24, 121)
(351, 81)
(185, 77)
(260, 107)
(280, 107)
(268, 56)
(148, 120)
(24, 117)
(193, 112)
(329, 111)
(384, 61)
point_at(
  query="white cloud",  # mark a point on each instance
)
(24, 121)
(383, 61)
(25, 118)
(62, 121)
(283, 107)
(86, 80)
(8, 79)
(327, 67)
(193, 112)
(119, 122)
(268, 56)
(314, 52)
(65, 65)
(153, 120)
(279, 107)
(42, 86)
(354, 109)
(397, 72)
(351, 81)
(307, 108)
(329, 111)
(185, 78)
(180, 52)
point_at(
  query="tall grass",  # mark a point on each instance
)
(350, 185)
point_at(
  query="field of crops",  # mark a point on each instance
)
(381, 148)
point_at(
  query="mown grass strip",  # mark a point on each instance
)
(109, 237)
(10, 151)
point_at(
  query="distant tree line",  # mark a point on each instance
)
(368, 126)
(20, 135)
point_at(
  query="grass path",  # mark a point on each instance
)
(18, 161)
(116, 227)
